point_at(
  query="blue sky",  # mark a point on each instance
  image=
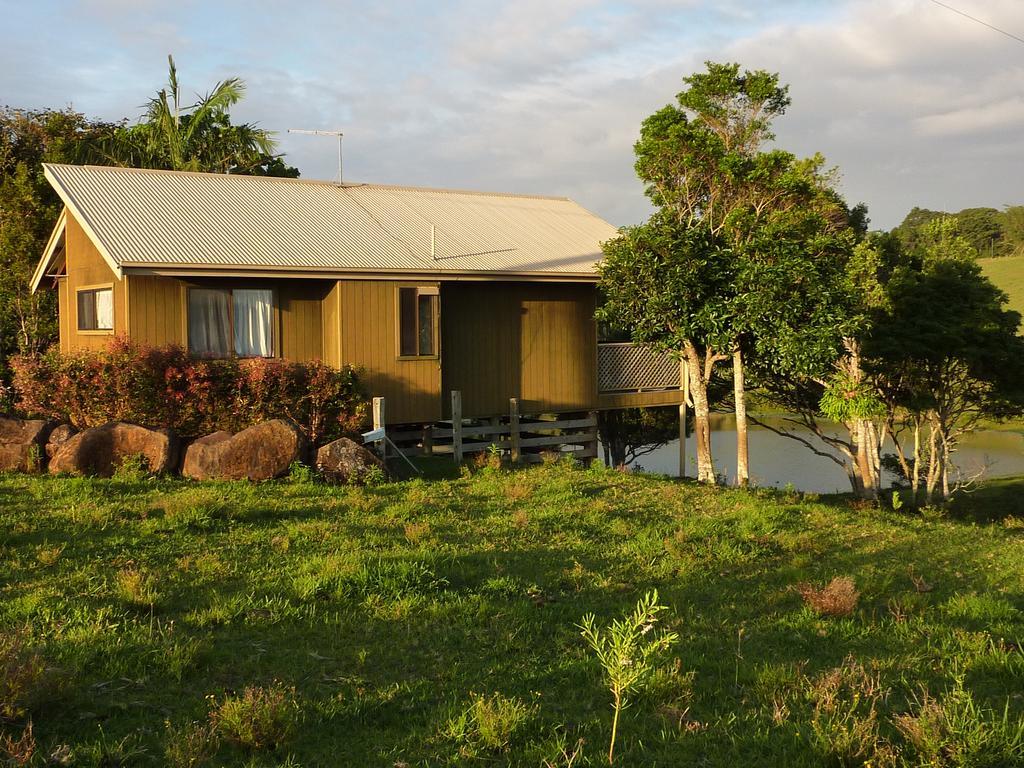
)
(914, 104)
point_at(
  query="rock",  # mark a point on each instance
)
(202, 456)
(100, 450)
(346, 461)
(22, 443)
(60, 435)
(261, 452)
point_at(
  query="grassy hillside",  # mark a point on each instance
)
(434, 622)
(1008, 274)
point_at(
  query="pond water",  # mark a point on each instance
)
(779, 461)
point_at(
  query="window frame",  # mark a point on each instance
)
(113, 310)
(275, 336)
(421, 290)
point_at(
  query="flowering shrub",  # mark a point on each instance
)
(169, 387)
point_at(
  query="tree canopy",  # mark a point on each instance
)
(28, 209)
(193, 137)
(740, 257)
(987, 231)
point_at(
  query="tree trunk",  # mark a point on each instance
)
(740, 396)
(860, 435)
(701, 416)
(934, 464)
(875, 441)
(915, 481)
(945, 469)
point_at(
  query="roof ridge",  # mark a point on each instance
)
(347, 186)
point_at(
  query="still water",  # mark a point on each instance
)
(779, 461)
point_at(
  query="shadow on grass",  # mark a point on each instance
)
(994, 502)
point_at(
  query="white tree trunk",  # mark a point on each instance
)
(740, 396)
(701, 416)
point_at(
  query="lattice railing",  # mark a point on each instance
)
(631, 368)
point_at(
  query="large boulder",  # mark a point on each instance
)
(101, 450)
(22, 444)
(261, 452)
(346, 461)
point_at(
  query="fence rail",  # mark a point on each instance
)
(626, 367)
(522, 438)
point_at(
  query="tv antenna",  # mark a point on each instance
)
(339, 134)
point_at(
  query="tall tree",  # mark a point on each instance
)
(665, 283)
(704, 167)
(944, 353)
(839, 391)
(194, 137)
(697, 158)
(28, 208)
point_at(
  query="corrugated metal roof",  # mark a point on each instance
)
(146, 218)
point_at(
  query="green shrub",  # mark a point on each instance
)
(490, 723)
(627, 654)
(261, 718)
(300, 474)
(133, 469)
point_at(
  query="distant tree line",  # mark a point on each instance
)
(171, 134)
(988, 231)
(754, 269)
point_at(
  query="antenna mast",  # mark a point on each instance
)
(339, 134)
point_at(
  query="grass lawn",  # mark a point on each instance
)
(1008, 273)
(153, 622)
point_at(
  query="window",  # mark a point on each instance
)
(222, 321)
(96, 309)
(417, 322)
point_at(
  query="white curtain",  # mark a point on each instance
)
(254, 310)
(104, 309)
(209, 325)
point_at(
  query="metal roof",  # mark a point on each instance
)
(178, 221)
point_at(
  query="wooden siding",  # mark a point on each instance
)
(86, 267)
(156, 312)
(537, 342)
(368, 319)
(63, 314)
(331, 325)
(300, 316)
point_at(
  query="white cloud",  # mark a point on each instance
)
(1003, 114)
(918, 106)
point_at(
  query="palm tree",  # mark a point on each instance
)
(195, 137)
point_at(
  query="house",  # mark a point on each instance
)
(425, 290)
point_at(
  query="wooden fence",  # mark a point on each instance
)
(520, 437)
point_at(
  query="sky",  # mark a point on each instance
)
(913, 103)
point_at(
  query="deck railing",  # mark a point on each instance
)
(522, 438)
(626, 367)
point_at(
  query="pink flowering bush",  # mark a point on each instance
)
(169, 387)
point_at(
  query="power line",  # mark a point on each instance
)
(979, 21)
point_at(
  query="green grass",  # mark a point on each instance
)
(1008, 273)
(435, 623)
